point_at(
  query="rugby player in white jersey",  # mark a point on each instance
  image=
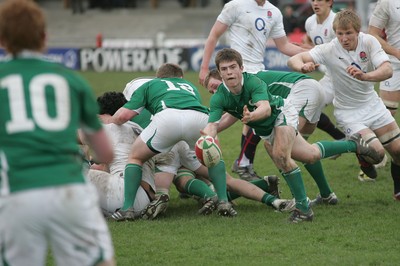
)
(386, 16)
(319, 30)
(356, 60)
(109, 178)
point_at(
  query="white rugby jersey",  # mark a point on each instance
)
(249, 27)
(122, 138)
(320, 33)
(133, 85)
(350, 92)
(386, 16)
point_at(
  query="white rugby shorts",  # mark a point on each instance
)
(393, 83)
(307, 97)
(373, 115)
(288, 117)
(66, 217)
(181, 155)
(170, 126)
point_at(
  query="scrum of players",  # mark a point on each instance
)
(157, 150)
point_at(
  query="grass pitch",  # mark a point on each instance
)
(361, 230)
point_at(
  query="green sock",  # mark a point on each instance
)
(218, 176)
(261, 184)
(295, 182)
(288, 183)
(268, 199)
(330, 148)
(132, 178)
(317, 173)
(198, 188)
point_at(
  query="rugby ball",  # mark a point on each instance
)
(207, 151)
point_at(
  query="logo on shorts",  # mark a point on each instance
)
(363, 56)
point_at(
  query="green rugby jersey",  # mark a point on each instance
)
(162, 93)
(253, 90)
(280, 82)
(42, 104)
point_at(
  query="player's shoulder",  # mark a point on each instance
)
(311, 19)
(386, 4)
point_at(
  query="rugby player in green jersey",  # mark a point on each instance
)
(245, 97)
(44, 197)
(306, 94)
(178, 115)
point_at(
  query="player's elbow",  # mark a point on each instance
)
(389, 72)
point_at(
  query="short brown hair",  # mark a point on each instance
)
(213, 73)
(169, 70)
(345, 19)
(227, 55)
(22, 26)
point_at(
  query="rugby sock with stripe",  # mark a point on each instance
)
(198, 188)
(296, 185)
(330, 148)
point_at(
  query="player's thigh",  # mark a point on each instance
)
(192, 124)
(305, 152)
(171, 126)
(23, 220)
(389, 136)
(78, 232)
(110, 189)
(283, 142)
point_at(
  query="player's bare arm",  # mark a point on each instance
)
(226, 121)
(99, 144)
(306, 42)
(302, 62)
(383, 72)
(288, 48)
(217, 30)
(262, 111)
(210, 130)
(389, 49)
(123, 115)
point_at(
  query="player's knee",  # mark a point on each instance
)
(392, 106)
(181, 178)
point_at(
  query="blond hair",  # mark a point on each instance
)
(345, 19)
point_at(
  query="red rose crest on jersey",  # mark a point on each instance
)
(269, 14)
(326, 32)
(363, 56)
